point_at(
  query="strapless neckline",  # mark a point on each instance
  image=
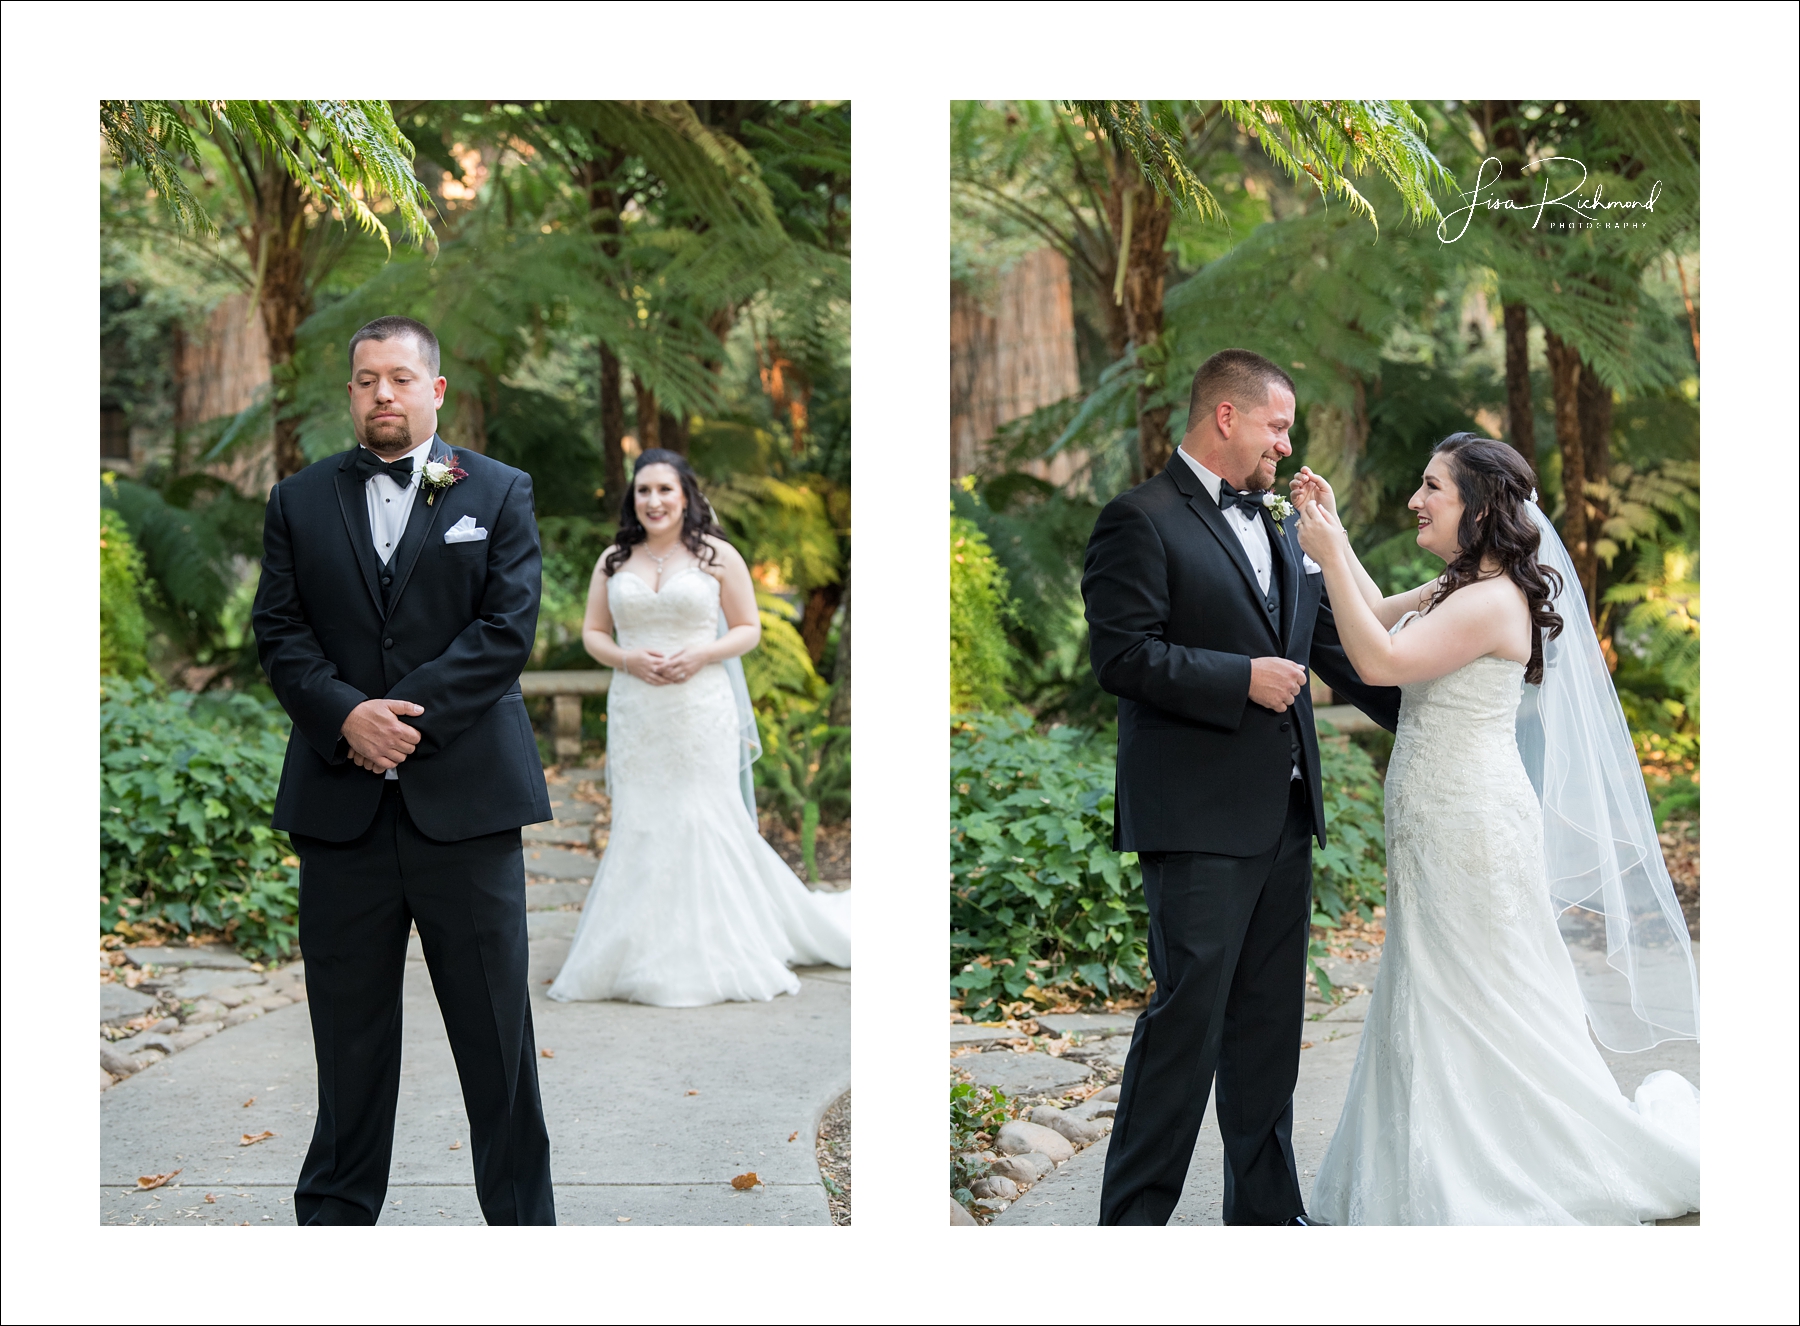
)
(671, 580)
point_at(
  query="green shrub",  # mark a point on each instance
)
(1038, 897)
(123, 629)
(187, 784)
(804, 772)
(981, 657)
(1350, 871)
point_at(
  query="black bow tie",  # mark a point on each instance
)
(368, 465)
(1251, 502)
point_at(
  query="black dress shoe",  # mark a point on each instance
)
(1299, 1220)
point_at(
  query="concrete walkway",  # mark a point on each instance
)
(1071, 1195)
(651, 1111)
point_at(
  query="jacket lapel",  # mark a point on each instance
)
(1214, 519)
(420, 525)
(354, 504)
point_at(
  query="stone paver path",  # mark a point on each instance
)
(651, 1111)
(1071, 1195)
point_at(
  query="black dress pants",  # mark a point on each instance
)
(358, 902)
(1227, 945)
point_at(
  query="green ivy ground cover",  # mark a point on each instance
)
(187, 785)
(1039, 899)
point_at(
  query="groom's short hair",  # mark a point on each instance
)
(385, 329)
(1242, 377)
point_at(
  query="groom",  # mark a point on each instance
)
(1204, 615)
(397, 606)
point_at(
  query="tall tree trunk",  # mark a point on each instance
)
(1139, 219)
(1565, 379)
(612, 426)
(649, 423)
(1521, 427)
(604, 206)
(275, 244)
(469, 426)
(840, 673)
(1500, 120)
(815, 621)
(1594, 405)
(673, 430)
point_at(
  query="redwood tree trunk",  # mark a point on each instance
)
(1500, 118)
(840, 674)
(815, 622)
(1565, 377)
(1521, 427)
(612, 426)
(284, 301)
(649, 424)
(673, 430)
(1141, 215)
(1596, 406)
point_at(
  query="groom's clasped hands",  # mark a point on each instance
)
(379, 741)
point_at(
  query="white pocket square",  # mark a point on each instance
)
(464, 531)
(1307, 564)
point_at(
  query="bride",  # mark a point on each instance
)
(1527, 896)
(689, 905)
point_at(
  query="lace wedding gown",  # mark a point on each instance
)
(689, 905)
(1478, 1097)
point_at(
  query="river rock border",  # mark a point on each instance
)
(158, 1001)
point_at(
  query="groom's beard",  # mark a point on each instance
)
(388, 437)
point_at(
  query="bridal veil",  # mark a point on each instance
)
(1609, 888)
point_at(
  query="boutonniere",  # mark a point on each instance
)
(435, 476)
(1278, 507)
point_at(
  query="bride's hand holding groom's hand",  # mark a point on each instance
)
(1322, 536)
(1306, 488)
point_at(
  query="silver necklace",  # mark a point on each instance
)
(659, 563)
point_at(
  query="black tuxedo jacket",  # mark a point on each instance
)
(450, 630)
(1175, 616)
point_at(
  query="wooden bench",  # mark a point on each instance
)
(1346, 718)
(565, 690)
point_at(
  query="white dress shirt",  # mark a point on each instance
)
(390, 505)
(1251, 532)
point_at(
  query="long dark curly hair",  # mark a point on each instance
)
(1495, 484)
(697, 520)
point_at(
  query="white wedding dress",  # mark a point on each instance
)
(689, 905)
(1478, 1096)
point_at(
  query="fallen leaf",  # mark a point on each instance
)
(693, 1093)
(547, 1054)
(250, 1102)
(623, 1220)
(1306, 1045)
(148, 1181)
(745, 1182)
(793, 1135)
(456, 1145)
(211, 1200)
(251, 1140)
(551, 981)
